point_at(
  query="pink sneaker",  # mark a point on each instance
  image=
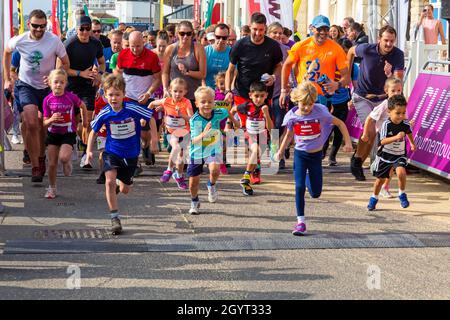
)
(299, 230)
(51, 193)
(166, 176)
(181, 183)
(223, 169)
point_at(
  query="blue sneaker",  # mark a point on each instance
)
(404, 200)
(372, 204)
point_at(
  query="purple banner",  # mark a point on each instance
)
(354, 126)
(429, 107)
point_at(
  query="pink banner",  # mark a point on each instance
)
(197, 10)
(354, 126)
(429, 107)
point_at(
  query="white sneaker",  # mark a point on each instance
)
(385, 193)
(84, 164)
(212, 194)
(16, 139)
(195, 205)
(51, 193)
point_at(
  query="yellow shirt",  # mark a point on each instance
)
(329, 57)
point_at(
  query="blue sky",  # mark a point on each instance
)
(29, 5)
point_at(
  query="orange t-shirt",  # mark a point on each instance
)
(172, 118)
(330, 55)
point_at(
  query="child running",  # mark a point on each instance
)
(221, 103)
(178, 111)
(59, 116)
(206, 145)
(100, 103)
(256, 123)
(310, 123)
(392, 151)
(392, 87)
(120, 158)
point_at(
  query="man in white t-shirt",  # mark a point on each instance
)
(38, 50)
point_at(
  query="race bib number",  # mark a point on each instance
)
(65, 122)
(122, 129)
(307, 130)
(395, 148)
(222, 105)
(175, 122)
(255, 125)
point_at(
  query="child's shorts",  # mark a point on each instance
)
(60, 139)
(381, 169)
(125, 167)
(195, 167)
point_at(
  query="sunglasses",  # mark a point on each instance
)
(39, 26)
(182, 34)
(96, 31)
(84, 29)
(221, 37)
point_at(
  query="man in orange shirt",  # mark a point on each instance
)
(315, 57)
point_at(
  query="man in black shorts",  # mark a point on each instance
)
(83, 50)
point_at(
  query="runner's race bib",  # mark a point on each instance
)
(222, 105)
(175, 122)
(65, 122)
(122, 129)
(395, 148)
(255, 125)
(307, 130)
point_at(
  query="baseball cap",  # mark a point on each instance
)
(83, 20)
(210, 36)
(320, 21)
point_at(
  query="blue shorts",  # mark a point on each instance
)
(195, 167)
(24, 94)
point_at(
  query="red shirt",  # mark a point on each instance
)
(100, 103)
(252, 118)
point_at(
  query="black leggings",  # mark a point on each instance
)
(340, 111)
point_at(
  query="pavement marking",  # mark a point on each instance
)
(206, 243)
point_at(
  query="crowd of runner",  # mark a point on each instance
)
(201, 92)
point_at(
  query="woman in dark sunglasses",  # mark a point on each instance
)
(184, 59)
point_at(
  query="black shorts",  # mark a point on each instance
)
(125, 167)
(382, 169)
(60, 139)
(86, 93)
(24, 95)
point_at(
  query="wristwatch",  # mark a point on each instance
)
(78, 73)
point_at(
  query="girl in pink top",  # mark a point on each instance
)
(432, 28)
(177, 112)
(60, 119)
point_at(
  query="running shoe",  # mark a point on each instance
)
(101, 178)
(116, 226)
(36, 175)
(195, 205)
(181, 182)
(16, 139)
(299, 230)
(372, 203)
(282, 165)
(404, 200)
(84, 164)
(212, 193)
(50, 193)
(166, 176)
(332, 162)
(255, 177)
(356, 168)
(247, 190)
(26, 157)
(385, 193)
(223, 169)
